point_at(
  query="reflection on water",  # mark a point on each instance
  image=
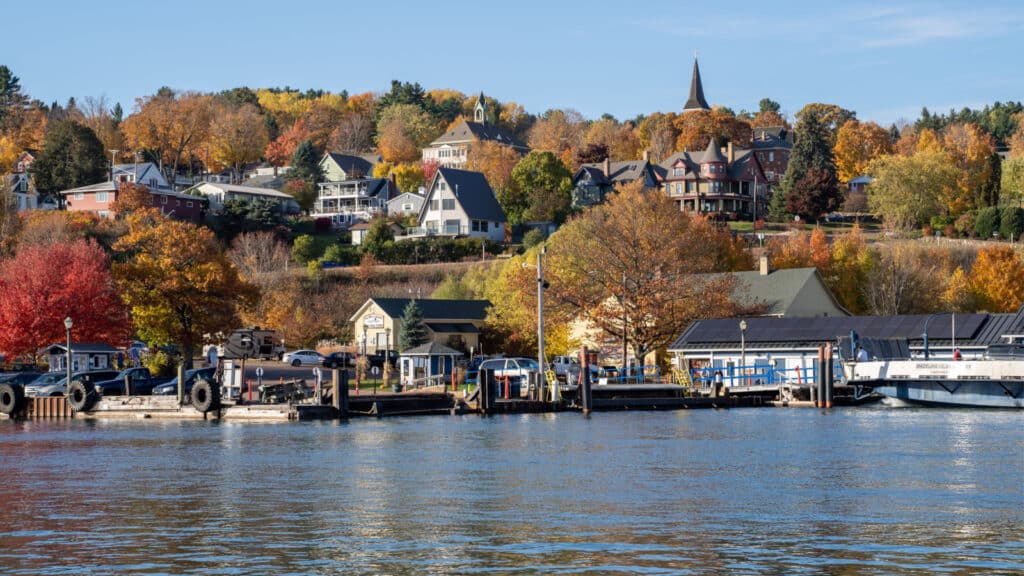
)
(742, 491)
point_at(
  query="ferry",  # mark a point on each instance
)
(993, 380)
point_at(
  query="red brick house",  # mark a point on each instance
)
(100, 198)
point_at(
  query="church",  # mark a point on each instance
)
(452, 149)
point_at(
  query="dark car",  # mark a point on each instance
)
(56, 383)
(142, 383)
(191, 377)
(376, 360)
(18, 377)
(339, 360)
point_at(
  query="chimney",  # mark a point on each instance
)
(647, 156)
(393, 190)
(764, 265)
(730, 155)
(607, 168)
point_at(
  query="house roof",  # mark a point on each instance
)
(435, 308)
(360, 226)
(861, 180)
(972, 330)
(778, 289)
(467, 130)
(620, 172)
(350, 163)
(473, 193)
(406, 197)
(696, 100)
(712, 153)
(772, 137)
(240, 189)
(142, 171)
(432, 349)
(107, 186)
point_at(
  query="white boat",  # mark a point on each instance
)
(989, 382)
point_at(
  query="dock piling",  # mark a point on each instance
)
(586, 395)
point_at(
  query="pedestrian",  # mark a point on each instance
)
(862, 354)
(957, 356)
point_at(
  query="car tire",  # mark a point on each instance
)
(205, 396)
(79, 397)
(12, 398)
(296, 363)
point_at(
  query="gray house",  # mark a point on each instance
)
(593, 182)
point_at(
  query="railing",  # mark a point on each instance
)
(450, 230)
(755, 376)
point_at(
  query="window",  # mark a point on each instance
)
(79, 196)
(152, 182)
(163, 199)
(442, 186)
(407, 207)
(177, 202)
(448, 204)
(188, 204)
(102, 197)
(104, 214)
(771, 156)
(433, 204)
(677, 172)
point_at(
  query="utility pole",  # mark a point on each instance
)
(113, 159)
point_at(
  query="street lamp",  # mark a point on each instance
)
(67, 359)
(743, 345)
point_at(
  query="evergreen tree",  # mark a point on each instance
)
(768, 105)
(10, 93)
(811, 153)
(991, 189)
(117, 114)
(413, 331)
(72, 156)
(306, 164)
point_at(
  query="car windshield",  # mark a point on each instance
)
(527, 363)
(47, 379)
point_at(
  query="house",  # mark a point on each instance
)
(339, 167)
(84, 356)
(99, 199)
(460, 203)
(218, 194)
(789, 343)
(859, 185)
(406, 204)
(453, 323)
(790, 293)
(452, 149)
(19, 182)
(145, 173)
(347, 202)
(772, 145)
(360, 229)
(593, 182)
(725, 182)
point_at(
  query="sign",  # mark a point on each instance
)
(259, 371)
(317, 374)
(373, 321)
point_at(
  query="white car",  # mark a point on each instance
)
(303, 358)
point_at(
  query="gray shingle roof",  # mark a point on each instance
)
(436, 309)
(467, 131)
(712, 153)
(474, 194)
(621, 172)
(355, 164)
(778, 289)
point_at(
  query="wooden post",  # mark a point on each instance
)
(127, 385)
(586, 398)
(339, 379)
(829, 376)
(181, 384)
(819, 378)
(485, 381)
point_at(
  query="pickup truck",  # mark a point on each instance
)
(142, 383)
(568, 368)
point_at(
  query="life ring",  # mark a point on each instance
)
(12, 398)
(80, 398)
(205, 396)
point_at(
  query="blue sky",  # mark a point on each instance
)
(883, 60)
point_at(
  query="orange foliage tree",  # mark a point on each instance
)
(495, 161)
(279, 152)
(697, 127)
(170, 125)
(997, 279)
(857, 144)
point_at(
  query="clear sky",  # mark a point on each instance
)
(885, 60)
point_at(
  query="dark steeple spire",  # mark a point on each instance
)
(696, 100)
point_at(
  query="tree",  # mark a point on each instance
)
(170, 125)
(238, 136)
(1012, 179)
(992, 188)
(280, 151)
(44, 284)
(408, 176)
(812, 152)
(305, 174)
(98, 117)
(857, 144)
(72, 156)
(403, 130)
(11, 97)
(907, 191)
(559, 132)
(591, 154)
(658, 135)
(997, 279)
(969, 150)
(540, 189)
(768, 105)
(768, 119)
(987, 222)
(620, 140)
(131, 198)
(179, 285)
(377, 236)
(413, 331)
(635, 257)
(495, 161)
(828, 116)
(697, 128)
(902, 281)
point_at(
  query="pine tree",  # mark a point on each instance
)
(306, 164)
(413, 331)
(812, 154)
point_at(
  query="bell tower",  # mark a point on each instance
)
(480, 110)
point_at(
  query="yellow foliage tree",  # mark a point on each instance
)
(857, 144)
(237, 136)
(285, 107)
(997, 279)
(957, 296)
(171, 125)
(789, 251)
(968, 148)
(9, 153)
(851, 260)
(495, 161)
(408, 176)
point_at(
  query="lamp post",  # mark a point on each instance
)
(743, 345)
(67, 359)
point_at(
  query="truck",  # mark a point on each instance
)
(248, 343)
(568, 368)
(142, 383)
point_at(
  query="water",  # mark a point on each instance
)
(746, 491)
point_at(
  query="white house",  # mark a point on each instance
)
(219, 193)
(349, 201)
(406, 204)
(461, 203)
(146, 173)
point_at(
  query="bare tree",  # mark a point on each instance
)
(353, 134)
(903, 281)
(260, 257)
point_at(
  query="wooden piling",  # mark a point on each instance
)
(586, 396)
(181, 384)
(485, 382)
(829, 376)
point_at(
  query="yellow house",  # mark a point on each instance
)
(453, 323)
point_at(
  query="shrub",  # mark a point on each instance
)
(965, 224)
(1011, 222)
(532, 238)
(309, 248)
(987, 222)
(160, 363)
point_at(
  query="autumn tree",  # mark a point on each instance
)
(814, 194)
(769, 119)
(44, 284)
(619, 139)
(658, 135)
(305, 174)
(997, 279)
(280, 151)
(1012, 179)
(903, 280)
(170, 125)
(97, 115)
(540, 189)
(237, 136)
(408, 176)
(262, 260)
(354, 132)
(72, 156)
(131, 198)
(559, 132)
(810, 186)
(848, 266)
(179, 285)
(857, 144)
(829, 117)
(285, 106)
(635, 257)
(907, 191)
(969, 150)
(403, 130)
(697, 128)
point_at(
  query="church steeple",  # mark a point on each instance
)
(480, 110)
(696, 100)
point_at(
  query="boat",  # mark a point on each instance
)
(992, 380)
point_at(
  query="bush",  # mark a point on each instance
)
(310, 248)
(1011, 222)
(431, 250)
(987, 222)
(341, 254)
(160, 363)
(533, 238)
(965, 225)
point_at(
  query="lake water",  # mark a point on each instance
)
(746, 491)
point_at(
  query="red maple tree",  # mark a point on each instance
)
(42, 285)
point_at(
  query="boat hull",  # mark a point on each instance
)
(973, 393)
(982, 383)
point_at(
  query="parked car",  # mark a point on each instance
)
(510, 367)
(56, 383)
(339, 360)
(22, 378)
(141, 380)
(191, 377)
(303, 358)
(376, 360)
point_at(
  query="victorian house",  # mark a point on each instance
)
(460, 203)
(19, 182)
(452, 148)
(726, 183)
(593, 182)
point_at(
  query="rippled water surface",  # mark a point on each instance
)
(746, 491)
